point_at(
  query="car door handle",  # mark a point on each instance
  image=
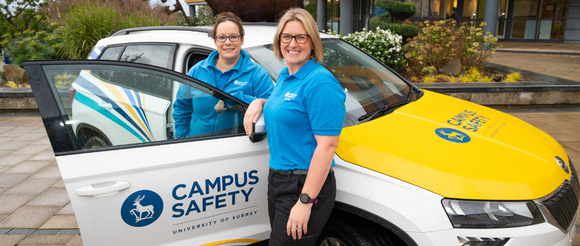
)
(107, 188)
(106, 105)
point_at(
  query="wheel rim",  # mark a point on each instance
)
(331, 241)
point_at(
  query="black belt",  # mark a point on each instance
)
(296, 171)
(290, 172)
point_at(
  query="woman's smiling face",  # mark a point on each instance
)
(228, 49)
(294, 53)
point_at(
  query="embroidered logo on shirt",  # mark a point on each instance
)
(240, 83)
(289, 96)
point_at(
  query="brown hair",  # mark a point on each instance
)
(227, 16)
(299, 14)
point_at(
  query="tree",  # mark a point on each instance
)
(20, 15)
(22, 10)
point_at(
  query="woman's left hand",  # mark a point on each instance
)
(298, 220)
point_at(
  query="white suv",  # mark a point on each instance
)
(413, 167)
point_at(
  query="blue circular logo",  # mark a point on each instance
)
(142, 208)
(452, 135)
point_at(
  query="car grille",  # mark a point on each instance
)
(563, 205)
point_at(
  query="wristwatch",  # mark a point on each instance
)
(305, 198)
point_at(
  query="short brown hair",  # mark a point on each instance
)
(227, 16)
(310, 26)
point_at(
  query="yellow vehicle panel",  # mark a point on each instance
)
(458, 149)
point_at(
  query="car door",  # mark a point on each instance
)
(208, 189)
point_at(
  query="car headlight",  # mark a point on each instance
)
(491, 214)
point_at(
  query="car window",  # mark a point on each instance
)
(152, 54)
(193, 57)
(111, 105)
(111, 53)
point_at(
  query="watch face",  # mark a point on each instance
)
(304, 198)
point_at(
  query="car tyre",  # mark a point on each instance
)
(339, 232)
(95, 142)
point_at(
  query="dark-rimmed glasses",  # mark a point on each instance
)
(232, 38)
(300, 38)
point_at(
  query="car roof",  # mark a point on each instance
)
(256, 35)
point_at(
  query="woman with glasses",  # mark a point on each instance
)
(304, 117)
(231, 70)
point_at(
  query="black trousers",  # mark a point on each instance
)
(283, 193)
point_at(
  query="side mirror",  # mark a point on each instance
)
(258, 130)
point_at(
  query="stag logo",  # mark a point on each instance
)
(142, 208)
(452, 135)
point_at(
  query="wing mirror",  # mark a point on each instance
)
(258, 130)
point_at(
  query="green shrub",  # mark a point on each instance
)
(88, 23)
(33, 45)
(85, 26)
(440, 42)
(398, 11)
(198, 20)
(382, 44)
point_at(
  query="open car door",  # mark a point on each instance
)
(130, 181)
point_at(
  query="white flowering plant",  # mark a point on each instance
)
(382, 44)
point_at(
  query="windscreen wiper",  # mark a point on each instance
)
(369, 116)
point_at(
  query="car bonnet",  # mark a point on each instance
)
(458, 149)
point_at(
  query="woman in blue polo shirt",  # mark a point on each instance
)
(230, 69)
(304, 117)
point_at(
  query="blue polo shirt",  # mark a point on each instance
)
(307, 103)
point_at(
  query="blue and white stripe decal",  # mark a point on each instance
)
(128, 105)
(96, 52)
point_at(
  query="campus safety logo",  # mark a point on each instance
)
(452, 135)
(240, 83)
(289, 96)
(142, 208)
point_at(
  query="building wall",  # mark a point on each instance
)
(572, 30)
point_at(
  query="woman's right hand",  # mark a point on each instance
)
(252, 115)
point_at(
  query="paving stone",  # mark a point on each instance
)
(45, 155)
(75, 241)
(11, 145)
(15, 133)
(5, 152)
(46, 232)
(46, 240)
(16, 122)
(29, 216)
(571, 145)
(11, 179)
(30, 137)
(9, 160)
(10, 203)
(21, 231)
(5, 129)
(51, 171)
(67, 210)
(59, 184)
(51, 197)
(4, 168)
(4, 231)
(10, 240)
(42, 141)
(2, 216)
(28, 167)
(31, 186)
(32, 149)
(61, 222)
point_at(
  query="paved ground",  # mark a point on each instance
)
(552, 64)
(35, 208)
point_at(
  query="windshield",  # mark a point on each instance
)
(369, 86)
